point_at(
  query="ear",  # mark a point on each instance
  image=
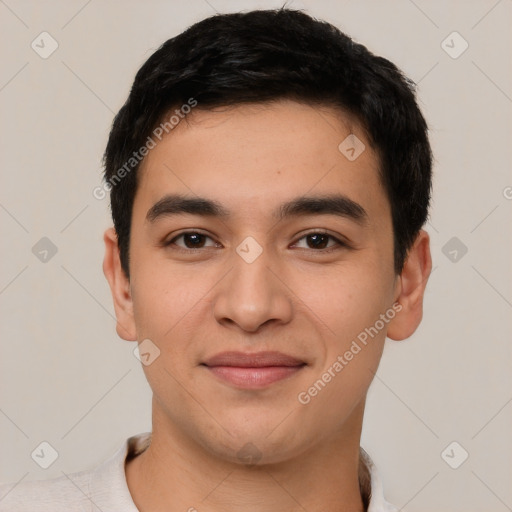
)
(119, 287)
(411, 288)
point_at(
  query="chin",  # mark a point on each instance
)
(257, 446)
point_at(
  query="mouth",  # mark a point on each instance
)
(253, 371)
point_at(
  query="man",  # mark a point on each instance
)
(269, 179)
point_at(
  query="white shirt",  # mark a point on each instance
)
(104, 487)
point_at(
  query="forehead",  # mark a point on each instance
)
(253, 155)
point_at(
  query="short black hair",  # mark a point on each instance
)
(265, 55)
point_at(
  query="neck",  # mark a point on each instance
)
(176, 474)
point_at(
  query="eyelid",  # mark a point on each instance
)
(170, 241)
(340, 241)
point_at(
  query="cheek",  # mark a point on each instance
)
(345, 299)
(353, 345)
(169, 308)
(165, 299)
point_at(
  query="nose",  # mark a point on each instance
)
(252, 295)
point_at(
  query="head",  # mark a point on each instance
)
(269, 179)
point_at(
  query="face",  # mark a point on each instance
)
(261, 267)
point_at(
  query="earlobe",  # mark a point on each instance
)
(411, 288)
(119, 287)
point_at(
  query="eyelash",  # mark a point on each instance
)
(339, 243)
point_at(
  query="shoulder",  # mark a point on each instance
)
(102, 488)
(54, 495)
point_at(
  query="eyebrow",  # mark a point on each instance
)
(334, 204)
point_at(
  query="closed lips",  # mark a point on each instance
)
(254, 360)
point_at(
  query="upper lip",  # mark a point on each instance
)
(253, 360)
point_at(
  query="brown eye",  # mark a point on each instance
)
(319, 241)
(192, 240)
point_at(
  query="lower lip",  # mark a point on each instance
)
(253, 378)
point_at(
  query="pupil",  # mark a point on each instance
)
(318, 241)
(194, 240)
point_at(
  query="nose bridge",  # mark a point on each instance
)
(251, 295)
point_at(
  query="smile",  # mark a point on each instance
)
(253, 371)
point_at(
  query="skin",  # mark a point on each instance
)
(294, 298)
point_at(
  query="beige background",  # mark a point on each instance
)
(66, 378)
